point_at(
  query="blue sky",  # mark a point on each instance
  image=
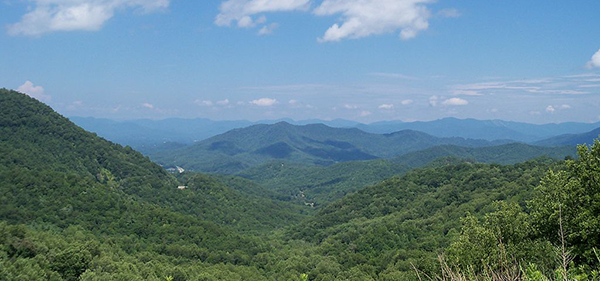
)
(365, 60)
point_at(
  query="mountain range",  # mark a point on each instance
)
(240, 149)
(145, 134)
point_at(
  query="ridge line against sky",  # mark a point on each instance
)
(362, 60)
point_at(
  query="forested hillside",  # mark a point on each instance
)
(322, 185)
(77, 207)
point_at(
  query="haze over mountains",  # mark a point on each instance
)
(319, 144)
(78, 207)
(145, 134)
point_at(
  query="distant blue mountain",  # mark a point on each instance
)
(146, 134)
(571, 139)
(482, 129)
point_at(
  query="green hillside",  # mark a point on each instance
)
(240, 149)
(503, 154)
(77, 207)
(321, 185)
(414, 217)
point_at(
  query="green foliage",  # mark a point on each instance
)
(572, 196)
(321, 185)
(76, 207)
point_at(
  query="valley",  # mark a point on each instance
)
(282, 202)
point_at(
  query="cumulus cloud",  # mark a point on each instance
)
(268, 29)
(407, 102)
(455, 101)
(241, 11)
(386, 106)
(223, 102)
(365, 113)
(550, 109)
(264, 102)
(69, 15)
(595, 62)
(148, 105)
(204, 102)
(33, 91)
(433, 101)
(362, 18)
(359, 18)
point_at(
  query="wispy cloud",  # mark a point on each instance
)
(386, 106)
(449, 13)
(393, 75)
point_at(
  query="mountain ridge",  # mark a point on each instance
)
(239, 149)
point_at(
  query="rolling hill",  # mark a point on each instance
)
(502, 154)
(323, 185)
(36, 141)
(418, 213)
(319, 144)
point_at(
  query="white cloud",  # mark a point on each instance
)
(350, 106)
(204, 102)
(449, 13)
(241, 11)
(365, 113)
(36, 92)
(595, 62)
(386, 106)
(264, 102)
(268, 29)
(223, 102)
(362, 18)
(147, 105)
(407, 102)
(550, 109)
(433, 101)
(494, 110)
(69, 15)
(565, 106)
(293, 101)
(455, 101)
